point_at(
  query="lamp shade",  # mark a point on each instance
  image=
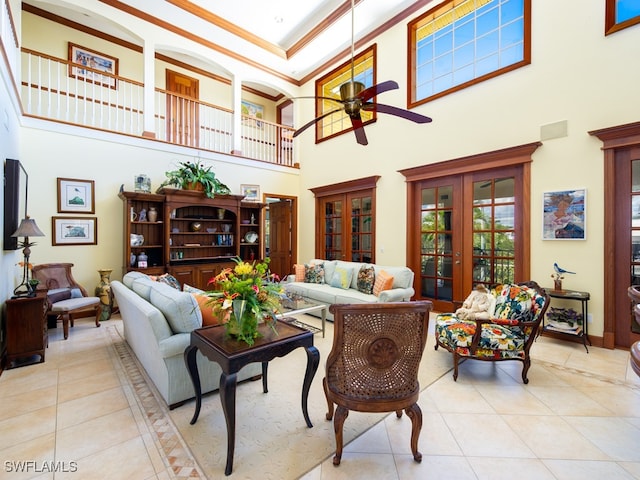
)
(28, 228)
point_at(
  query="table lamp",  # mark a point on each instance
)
(27, 228)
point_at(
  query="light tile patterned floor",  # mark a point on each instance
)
(579, 417)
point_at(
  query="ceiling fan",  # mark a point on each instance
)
(354, 97)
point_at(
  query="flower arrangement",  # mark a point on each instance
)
(246, 295)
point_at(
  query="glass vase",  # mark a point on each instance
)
(242, 323)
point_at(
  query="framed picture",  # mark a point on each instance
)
(91, 63)
(564, 215)
(254, 111)
(74, 230)
(76, 196)
(251, 193)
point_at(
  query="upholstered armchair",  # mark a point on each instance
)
(373, 363)
(506, 334)
(65, 296)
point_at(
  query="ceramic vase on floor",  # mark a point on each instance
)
(103, 291)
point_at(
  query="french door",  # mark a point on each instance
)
(345, 220)
(469, 228)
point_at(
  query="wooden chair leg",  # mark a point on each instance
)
(98, 314)
(456, 359)
(341, 414)
(65, 325)
(329, 415)
(415, 414)
(525, 369)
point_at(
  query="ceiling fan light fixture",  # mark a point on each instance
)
(351, 89)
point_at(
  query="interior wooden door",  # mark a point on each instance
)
(627, 242)
(182, 109)
(280, 237)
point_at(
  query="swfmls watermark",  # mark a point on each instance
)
(32, 466)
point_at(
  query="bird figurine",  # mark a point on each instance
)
(559, 270)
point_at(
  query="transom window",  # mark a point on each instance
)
(621, 14)
(463, 42)
(329, 86)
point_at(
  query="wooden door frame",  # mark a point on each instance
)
(613, 138)
(294, 220)
(508, 157)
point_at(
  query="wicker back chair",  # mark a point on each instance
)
(373, 363)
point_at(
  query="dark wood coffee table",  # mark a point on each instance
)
(232, 355)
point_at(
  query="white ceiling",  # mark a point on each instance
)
(280, 23)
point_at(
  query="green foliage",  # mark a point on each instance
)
(195, 172)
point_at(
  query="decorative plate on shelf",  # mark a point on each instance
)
(251, 237)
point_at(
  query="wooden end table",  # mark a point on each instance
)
(232, 355)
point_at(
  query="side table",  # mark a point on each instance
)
(232, 355)
(26, 330)
(583, 331)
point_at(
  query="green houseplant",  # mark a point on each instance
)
(195, 176)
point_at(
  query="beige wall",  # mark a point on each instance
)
(577, 75)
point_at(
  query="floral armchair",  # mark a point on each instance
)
(507, 334)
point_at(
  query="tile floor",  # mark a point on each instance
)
(579, 417)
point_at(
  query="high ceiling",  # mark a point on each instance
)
(291, 38)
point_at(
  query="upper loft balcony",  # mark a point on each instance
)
(85, 95)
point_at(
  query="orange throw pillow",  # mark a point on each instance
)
(299, 271)
(383, 282)
(208, 316)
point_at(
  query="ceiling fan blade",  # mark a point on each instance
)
(371, 92)
(318, 98)
(358, 130)
(315, 120)
(398, 112)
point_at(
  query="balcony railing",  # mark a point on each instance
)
(58, 90)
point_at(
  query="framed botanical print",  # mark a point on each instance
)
(74, 230)
(76, 196)
(564, 215)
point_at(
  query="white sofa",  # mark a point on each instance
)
(401, 290)
(157, 322)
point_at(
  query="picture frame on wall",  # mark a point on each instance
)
(254, 111)
(564, 215)
(74, 231)
(251, 193)
(87, 64)
(76, 196)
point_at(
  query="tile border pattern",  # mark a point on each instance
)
(171, 447)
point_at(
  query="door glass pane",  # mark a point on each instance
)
(635, 177)
(493, 230)
(333, 230)
(436, 242)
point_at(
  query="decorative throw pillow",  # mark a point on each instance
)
(169, 280)
(179, 308)
(366, 276)
(58, 294)
(209, 317)
(341, 278)
(314, 273)
(383, 282)
(299, 272)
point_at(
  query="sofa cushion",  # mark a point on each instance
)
(130, 277)
(341, 278)
(314, 273)
(142, 286)
(366, 277)
(179, 308)
(384, 281)
(402, 276)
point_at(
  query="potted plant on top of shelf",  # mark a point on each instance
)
(195, 176)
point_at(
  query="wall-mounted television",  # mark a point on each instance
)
(16, 183)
